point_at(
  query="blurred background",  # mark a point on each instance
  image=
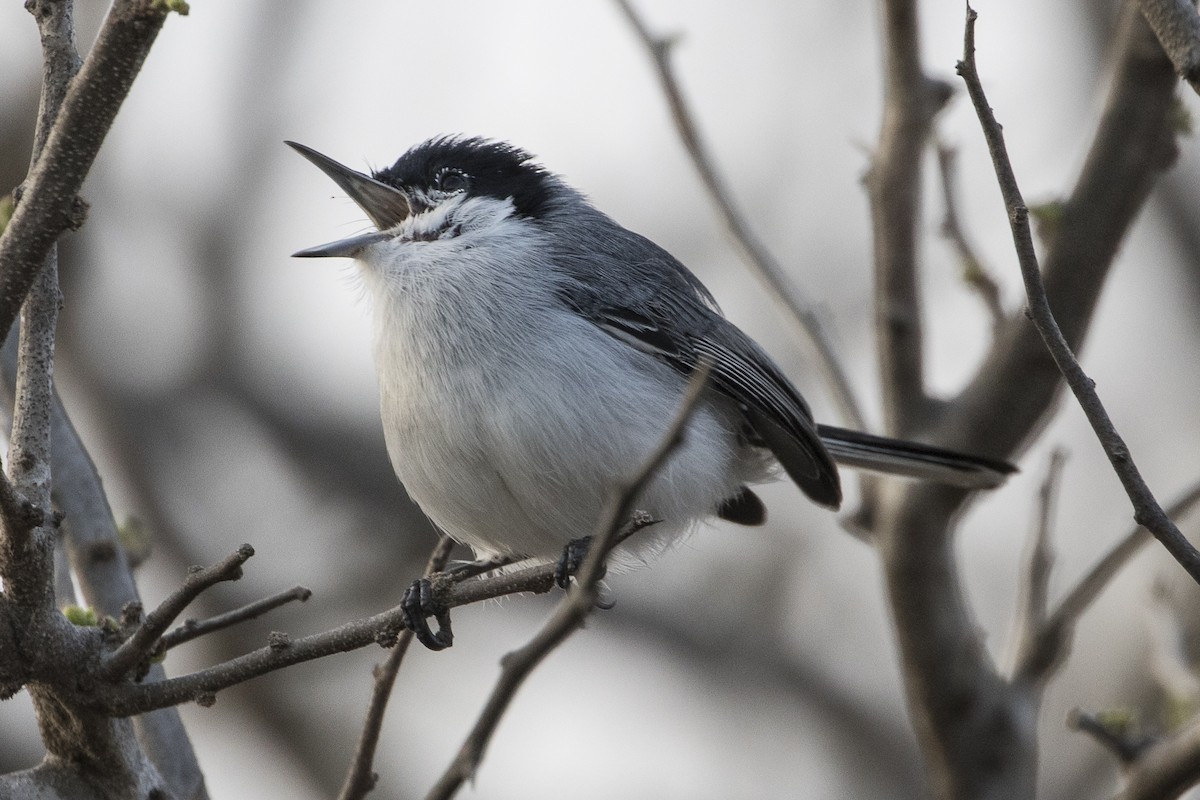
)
(228, 395)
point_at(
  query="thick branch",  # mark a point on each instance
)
(1177, 26)
(106, 580)
(27, 563)
(911, 100)
(101, 752)
(1147, 511)
(965, 715)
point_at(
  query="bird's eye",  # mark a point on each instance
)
(451, 181)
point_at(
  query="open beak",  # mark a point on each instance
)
(383, 204)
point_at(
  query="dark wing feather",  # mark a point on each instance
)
(655, 304)
(772, 407)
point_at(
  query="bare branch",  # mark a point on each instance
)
(194, 629)
(974, 273)
(1031, 600)
(76, 111)
(140, 646)
(946, 668)
(1127, 745)
(1133, 143)
(1165, 770)
(106, 579)
(126, 699)
(360, 779)
(1177, 26)
(786, 291)
(1147, 511)
(48, 204)
(911, 101)
(27, 563)
(1054, 636)
(516, 666)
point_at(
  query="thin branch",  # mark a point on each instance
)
(1147, 511)
(786, 291)
(1165, 770)
(1055, 634)
(361, 778)
(1177, 26)
(48, 204)
(1133, 143)
(1127, 745)
(194, 629)
(1171, 649)
(568, 617)
(128, 699)
(140, 646)
(975, 274)
(1039, 561)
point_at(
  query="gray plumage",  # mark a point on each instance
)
(531, 352)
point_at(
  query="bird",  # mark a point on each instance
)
(531, 352)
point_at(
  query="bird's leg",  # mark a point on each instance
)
(571, 560)
(421, 601)
(577, 549)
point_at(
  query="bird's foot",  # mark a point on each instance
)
(571, 560)
(420, 601)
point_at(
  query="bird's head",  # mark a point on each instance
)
(445, 188)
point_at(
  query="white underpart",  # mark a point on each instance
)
(508, 417)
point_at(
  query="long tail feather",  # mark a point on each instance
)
(912, 459)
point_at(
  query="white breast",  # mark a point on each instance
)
(509, 418)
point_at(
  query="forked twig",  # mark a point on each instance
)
(1055, 632)
(1126, 745)
(194, 629)
(1147, 511)
(141, 644)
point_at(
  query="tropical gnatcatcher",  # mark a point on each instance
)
(532, 352)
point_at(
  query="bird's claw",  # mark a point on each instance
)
(419, 603)
(571, 560)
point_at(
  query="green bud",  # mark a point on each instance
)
(80, 616)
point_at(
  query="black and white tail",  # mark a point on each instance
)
(912, 459)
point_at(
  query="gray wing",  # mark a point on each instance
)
(666, 312)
